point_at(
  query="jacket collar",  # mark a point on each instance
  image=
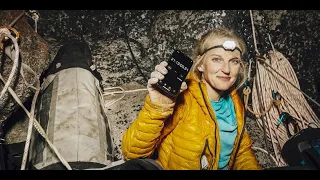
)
(198, 90)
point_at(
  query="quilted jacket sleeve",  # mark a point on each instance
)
(141, 138)
(246, 159)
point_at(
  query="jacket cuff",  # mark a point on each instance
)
(158, 107)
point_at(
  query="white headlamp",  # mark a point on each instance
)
(228, 45)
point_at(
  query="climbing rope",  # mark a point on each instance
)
(277, 86)
(37, 126)
(31, 120)
(287, 100)
(13, 54)
(123, 92)
(34, 15)
(15, 62)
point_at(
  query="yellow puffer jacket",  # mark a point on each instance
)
(183, 137)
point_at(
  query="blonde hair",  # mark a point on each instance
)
(203, 44)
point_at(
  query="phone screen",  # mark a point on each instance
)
(178, 68)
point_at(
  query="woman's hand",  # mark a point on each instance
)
(158, 74)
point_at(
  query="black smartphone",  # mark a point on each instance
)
(178, 68)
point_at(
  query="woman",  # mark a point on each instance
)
(202, 127)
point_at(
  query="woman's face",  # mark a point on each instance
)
(220, 68)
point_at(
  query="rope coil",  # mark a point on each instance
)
(291, 101)
(275, 73)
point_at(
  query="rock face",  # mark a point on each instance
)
(35, 53)
(127, 44)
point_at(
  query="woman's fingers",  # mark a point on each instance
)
(152, 81)
(157, 75)
(162, 68)
(184, 86)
